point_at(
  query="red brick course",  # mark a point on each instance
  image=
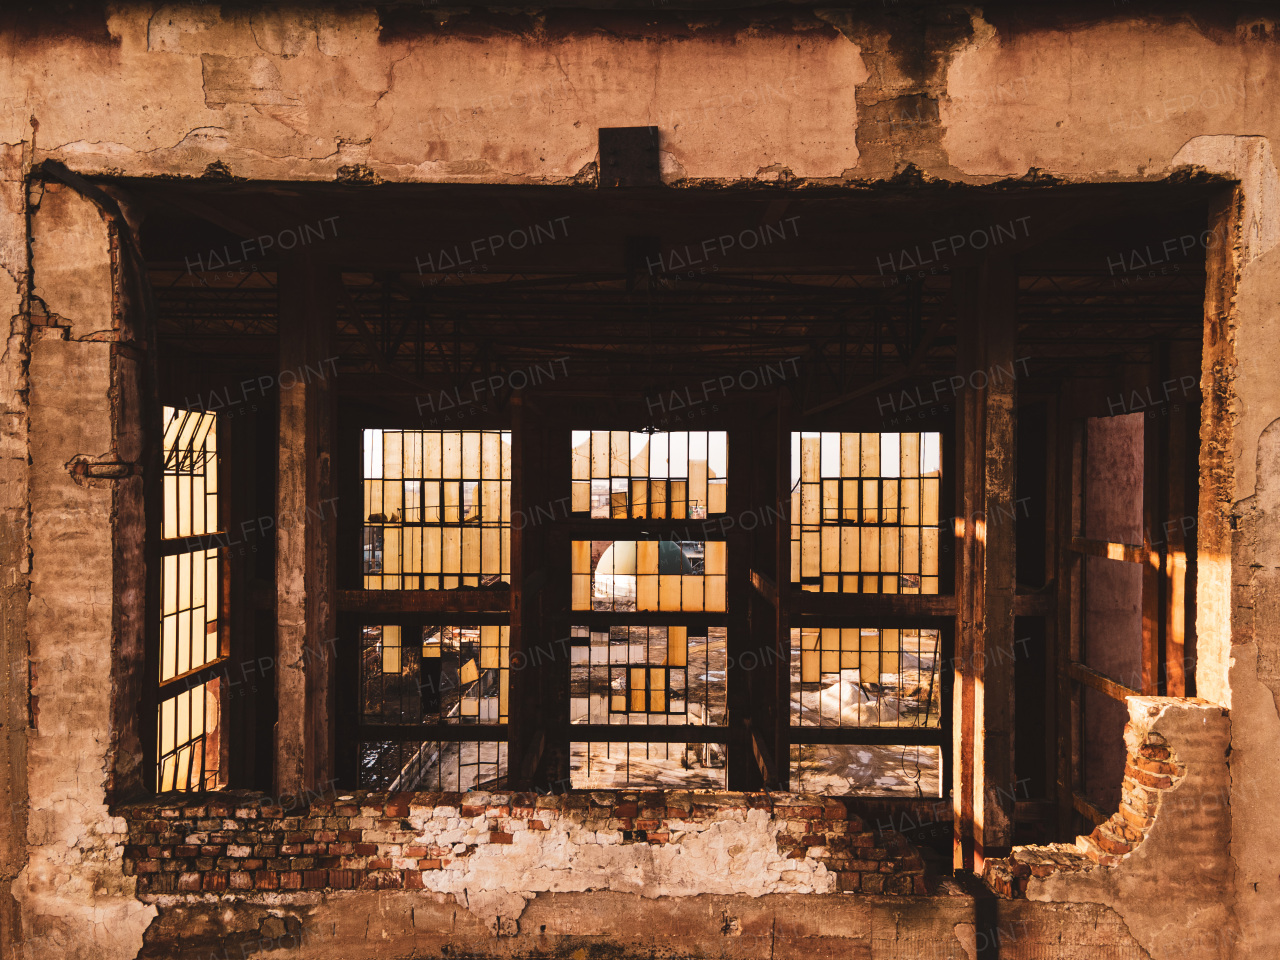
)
(370, 841)
(1149, 771)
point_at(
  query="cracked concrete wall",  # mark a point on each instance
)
(575, 926)
(13, 533)
(75, 899)
(1183, 862)
(1241, 663)
(285, 93)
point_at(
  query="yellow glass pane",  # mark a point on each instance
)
(810, 458)
(451, 544)
(391, 550)
(647, 591)
(910, 454)
(431, 549)
(657, 690)
(471, 455)
(669, 592)
(637, 689)
(600, 454)
(717, 497)
(678, 495)
(850, 455)
(692, 593)
(581, 591)
(392, 454)
(714, 600)
(489, 647)
(871, 455)
(432, 447)
(659, 493)
(890, 645)
(810, 553)
(677, 646)
(170, 524)
(581, 557)
(810, 666)
(640, 499)
(619, 454)
(714, 557)
(889, 549)
(931, 489)
(491, 456)
(646, 556)
(698, 483)
(849, 550)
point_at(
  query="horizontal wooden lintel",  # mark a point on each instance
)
(477, 600)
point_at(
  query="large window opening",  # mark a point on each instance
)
(192, 642)
(962, 504)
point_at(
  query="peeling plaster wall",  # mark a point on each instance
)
(1163, 861)
(392, 924)
(298, 94)
(1114, 100)
(75, 898)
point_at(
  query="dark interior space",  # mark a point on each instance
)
(757, 314)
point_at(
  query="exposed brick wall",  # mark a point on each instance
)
(226, 843)
(1150, 770)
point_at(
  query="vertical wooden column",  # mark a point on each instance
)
(968, 557)
(521, 757)
(538, 725)
(1154, 549)
(306, 528)
(744, 771)
(994, 778)
(782, 614)
(1069, 571)
(1180, 509)
(987, 579)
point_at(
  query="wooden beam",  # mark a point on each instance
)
(1038, 604)
(1179, 520)
(782, 608)
(1154, 468)
(447, 732)
(873, 605)
(968, 557)
(987, 300)
(1100, 682)
(1087, 809)
(1111, 550)
(994, 703)
(522, 765)
(1068, 573)
(496, 599)
(305, 531)
(744, 770)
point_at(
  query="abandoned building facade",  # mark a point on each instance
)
(697, 480)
